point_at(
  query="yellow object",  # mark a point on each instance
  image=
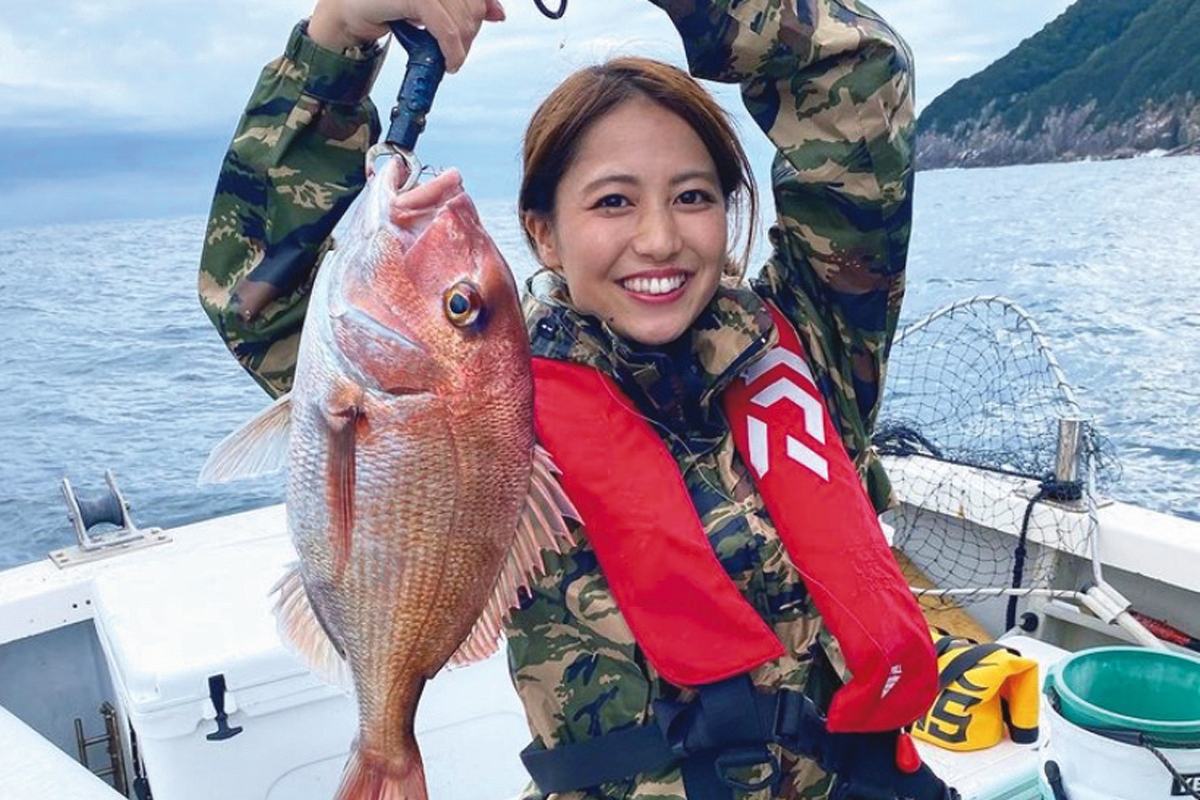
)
(983, 688)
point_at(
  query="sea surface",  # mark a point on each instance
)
(107, 361)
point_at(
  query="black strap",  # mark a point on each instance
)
(720, 736)
(968, 660)
(946, 642)
(607, 758)
(726, 730)
(713, 739)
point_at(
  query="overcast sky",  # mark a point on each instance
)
(123, 107)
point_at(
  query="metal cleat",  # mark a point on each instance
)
(110, 509)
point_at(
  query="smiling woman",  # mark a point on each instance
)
(714, 433)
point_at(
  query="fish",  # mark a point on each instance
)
(417, 498)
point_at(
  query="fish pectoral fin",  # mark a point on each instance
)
(542, 526)
(302, 630)
(259, 447)
(342, 416)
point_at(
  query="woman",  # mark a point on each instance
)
(632, 178)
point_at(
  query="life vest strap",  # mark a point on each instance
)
(710, 738)
(612, 757)
(713, 737)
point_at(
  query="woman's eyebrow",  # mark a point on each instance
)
(694, 174)
(632, 180)
(618, 178)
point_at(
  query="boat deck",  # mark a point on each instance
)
(146, 629)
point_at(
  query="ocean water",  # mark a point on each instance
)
(107, 361)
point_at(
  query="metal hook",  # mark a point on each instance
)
(389, 150)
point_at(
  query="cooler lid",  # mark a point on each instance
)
(169, 625)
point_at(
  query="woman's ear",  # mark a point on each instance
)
(541, 233)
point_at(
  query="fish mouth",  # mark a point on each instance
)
(413, 210)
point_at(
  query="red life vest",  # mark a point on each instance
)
(685, 612)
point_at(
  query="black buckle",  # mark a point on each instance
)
(742, 757)
(674, 720)
(797, 724)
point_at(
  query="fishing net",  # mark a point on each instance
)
(970, 432)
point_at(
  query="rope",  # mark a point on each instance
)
(1055, 490)
(1181, 784)
(902, 440)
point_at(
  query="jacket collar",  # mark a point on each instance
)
(676, 385)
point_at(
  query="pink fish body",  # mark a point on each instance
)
(411, 458)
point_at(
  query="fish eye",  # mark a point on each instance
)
(462, 304)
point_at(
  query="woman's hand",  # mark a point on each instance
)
(339, 24)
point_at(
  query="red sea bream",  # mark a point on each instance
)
(416, 497)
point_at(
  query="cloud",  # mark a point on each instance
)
(155, 71)
(133, 64)
(178, 65)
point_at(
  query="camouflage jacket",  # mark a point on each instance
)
(829, 83)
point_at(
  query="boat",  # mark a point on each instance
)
(144, 663)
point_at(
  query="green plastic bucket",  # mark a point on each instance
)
(1136, 689)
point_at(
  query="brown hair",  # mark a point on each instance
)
(552, 139)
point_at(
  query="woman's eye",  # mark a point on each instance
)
(612, 201)
(695, 196)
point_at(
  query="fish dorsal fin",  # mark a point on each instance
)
(543, 526)
(300, 628)
(259, 447)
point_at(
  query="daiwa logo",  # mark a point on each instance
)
(1186, 785)
(893, 679)
(808, 403)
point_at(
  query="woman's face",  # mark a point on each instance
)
(639, 225)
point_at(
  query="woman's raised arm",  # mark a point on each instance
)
(830, 83)
(294, 166)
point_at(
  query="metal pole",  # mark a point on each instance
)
(1070, 438)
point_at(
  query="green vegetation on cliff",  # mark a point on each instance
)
(1105, 66)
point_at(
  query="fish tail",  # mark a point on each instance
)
(370, 776)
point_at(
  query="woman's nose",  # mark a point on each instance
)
(657, 237)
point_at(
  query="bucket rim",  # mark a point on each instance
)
(1054, 684)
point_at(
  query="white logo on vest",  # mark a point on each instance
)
(805, 399)
(893, 678)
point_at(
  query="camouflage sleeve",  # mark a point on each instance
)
(295, 164)
(829, 82)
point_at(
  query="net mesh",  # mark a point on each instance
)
(970, 432)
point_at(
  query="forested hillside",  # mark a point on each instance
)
(1107, 79)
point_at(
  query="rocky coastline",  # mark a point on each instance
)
(1171, 129)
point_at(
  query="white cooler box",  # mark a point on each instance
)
(167, 629)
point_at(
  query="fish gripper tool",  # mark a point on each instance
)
(426, 66)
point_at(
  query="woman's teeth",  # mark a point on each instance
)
(654, 285)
